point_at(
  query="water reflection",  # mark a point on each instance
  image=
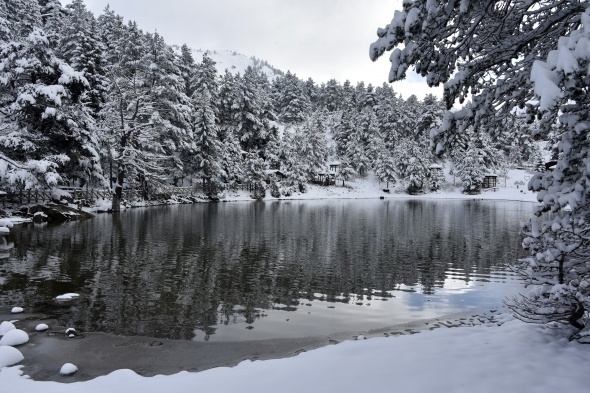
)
(282, 268)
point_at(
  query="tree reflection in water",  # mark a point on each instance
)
(171, 271)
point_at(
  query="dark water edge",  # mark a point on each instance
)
(250, 271)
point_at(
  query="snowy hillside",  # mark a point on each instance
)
(234, 62)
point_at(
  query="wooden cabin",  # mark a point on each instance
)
(490, 181)
(334, 167)
(325, 179)
(436, 169)
(274, 173)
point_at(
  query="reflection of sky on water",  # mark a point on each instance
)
(361, 313)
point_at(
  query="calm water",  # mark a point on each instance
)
(241, 271)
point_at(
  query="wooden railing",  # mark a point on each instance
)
(78, 194)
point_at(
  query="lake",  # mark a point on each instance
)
(258, 270)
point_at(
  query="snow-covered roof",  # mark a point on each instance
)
(435, 166)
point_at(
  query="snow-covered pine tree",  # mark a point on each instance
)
(206, 79)
(46, 130)
(208, 146)
(112, 32)
(345, 128)
(360, 145)
(412, 164)
(186, 65)
(5, 30)
(132, 141)
(471, 169)
(81, 47)
(251, 114)
(383, 163)
(292, 165)
(170, 107)
(53, 17)
(312, 146)
(430, 115)
(332, 95)
(294, 105)
(208, 149)
(312, 92)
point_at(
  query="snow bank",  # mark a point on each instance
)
(513, 187)
(67, 296)
(514, 357)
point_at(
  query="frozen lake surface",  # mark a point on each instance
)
(250, 271)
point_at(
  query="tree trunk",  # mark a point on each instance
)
(577, 313)
(118, 191)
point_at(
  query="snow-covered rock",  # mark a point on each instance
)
(5, 327)
(14, 337)
(10, 356)
(68, 369)
(67, 296)
(6, 223)
(4, 231)
(41, 327)
(17, 310)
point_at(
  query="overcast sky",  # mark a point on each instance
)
(322, 39)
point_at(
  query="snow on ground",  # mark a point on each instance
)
(513, 187)
(514, 357)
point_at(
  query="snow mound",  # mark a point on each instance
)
(41, 327)
(10, 356)
(14, 337)
(6, 223)
(68, 369)
(5, 327)
(67, 296)
(4, 231)
(17, 310)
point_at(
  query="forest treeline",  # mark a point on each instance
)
(96, 101)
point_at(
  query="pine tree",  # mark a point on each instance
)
(251, 114)
(136, 154)
(187, 67)
(83, 50)
(384, 164)
(361, 144)
(208, 147)
(332, 95)
(46, 128)
(472, 169)
(294, 105)
(412, 164)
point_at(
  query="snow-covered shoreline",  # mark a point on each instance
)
(513, 188)
(513, 357)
